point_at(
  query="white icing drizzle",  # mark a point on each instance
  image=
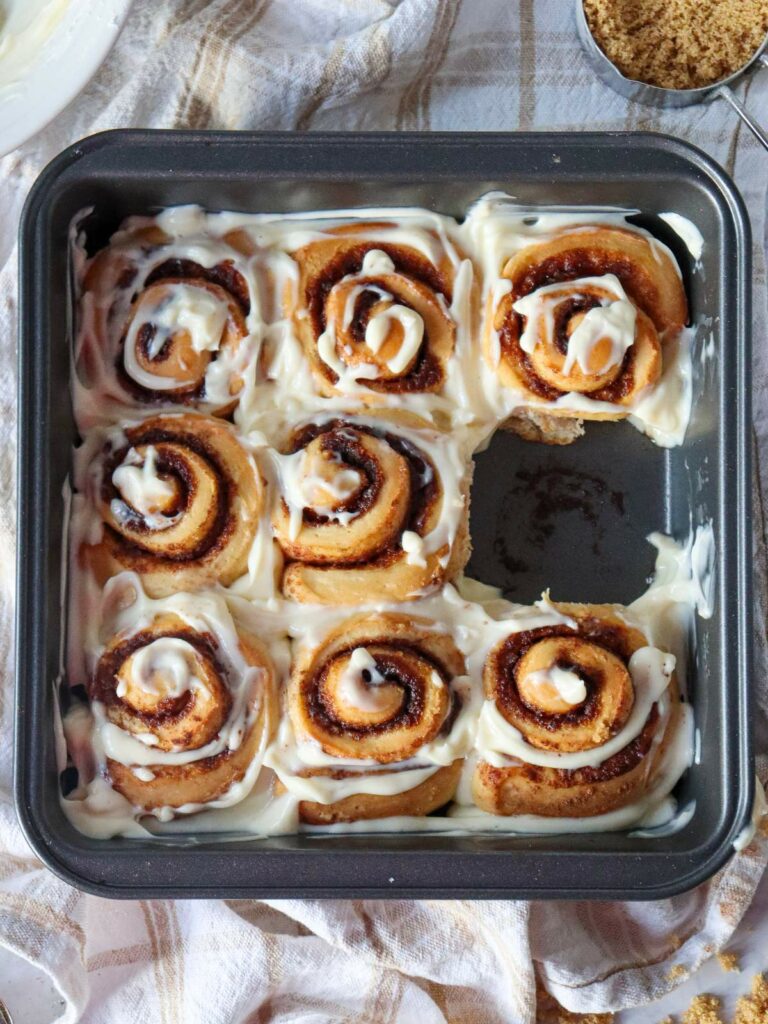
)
(476, 625)
(166, 666)
(301, 484)
(163, 668)
(651, 671)
(375, 263)
(613, 321)
(413, 545)
(495, 229)
(279, 395)
(141, 487)
(448, 454)
(282, 389)
(687, 231)
(378, 328)
(359, 681)
(99, 396)
(567, 685)
(664, 411)
(182, 307)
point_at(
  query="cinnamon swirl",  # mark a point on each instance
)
(166, 321)
(577, 326)
(373, 721)
(373, 308)
(184, 705)
(180, 501)
(577, 717)
(368, 510)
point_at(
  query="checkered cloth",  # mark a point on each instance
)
(369, 64)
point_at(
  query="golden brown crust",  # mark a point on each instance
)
(436, 791)
(598, 651)
(209, 528)
(652, 284)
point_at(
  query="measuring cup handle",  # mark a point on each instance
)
(744, 114)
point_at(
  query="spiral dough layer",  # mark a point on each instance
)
(378, 688)
(175, 329)
(585, 313)
(568, 691)
(356, 505)
(180, 500)
(175, 690)
(374, 316)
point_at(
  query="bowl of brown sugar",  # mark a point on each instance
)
(674, 53)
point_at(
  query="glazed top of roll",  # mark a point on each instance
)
(177, 498)
(166, 320)
(575, 693)
(374, 314)
(378, 688)
(356, 490)
(183, 697)
(583, 311)
(380, 306)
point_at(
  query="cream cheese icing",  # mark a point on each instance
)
(278, 395)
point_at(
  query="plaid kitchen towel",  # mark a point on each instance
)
(359, 65)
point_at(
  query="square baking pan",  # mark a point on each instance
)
(574, 519)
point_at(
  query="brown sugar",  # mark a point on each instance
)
(678, 44)
(704, 1009)
(753, 1009)
(728, 961)
(549, 1011)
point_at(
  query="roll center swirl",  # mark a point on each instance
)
(576, 334)
(166, 686)
(184, 319)
(346, 496)
(562, 692)
(372, 325)
(383, 701)
(378, 316)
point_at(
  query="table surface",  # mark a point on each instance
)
(31, 998)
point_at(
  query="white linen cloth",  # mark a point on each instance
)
(370, 64)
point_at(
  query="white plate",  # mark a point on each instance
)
(76, 37)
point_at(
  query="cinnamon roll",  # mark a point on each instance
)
(577, 718)
(166, 321)
(369, 511)
(577, 326)
(373, 308)
(180, 501)
(373, 726)
(184, 705)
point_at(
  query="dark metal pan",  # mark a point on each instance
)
(600, 556)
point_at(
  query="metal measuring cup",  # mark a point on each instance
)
(655, 96)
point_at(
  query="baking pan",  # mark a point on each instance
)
(609, 490)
